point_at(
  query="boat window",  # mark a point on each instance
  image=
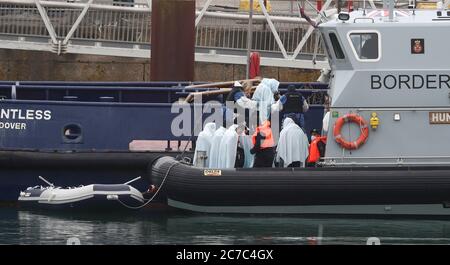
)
(365, 45)
(72, 133)
(338, 53)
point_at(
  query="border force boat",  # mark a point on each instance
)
(386, 152)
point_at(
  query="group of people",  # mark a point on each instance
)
(231, 146)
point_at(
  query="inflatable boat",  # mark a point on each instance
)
(314, 191)
(90, 197)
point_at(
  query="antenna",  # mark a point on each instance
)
(391, 10)
(364, 8)
(46, 181)
(133, 180)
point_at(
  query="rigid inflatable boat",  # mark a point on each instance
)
(343, 190)
(387, 149)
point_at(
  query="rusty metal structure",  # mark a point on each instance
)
(173, 40)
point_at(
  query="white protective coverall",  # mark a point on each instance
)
(228, 148)
(245, 142)
(293, 144)
(215, 146)
(325, 122)
(203, 144)
(264, 96)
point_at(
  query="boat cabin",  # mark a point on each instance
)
(389, 87)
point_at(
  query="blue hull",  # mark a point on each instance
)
(41, 124)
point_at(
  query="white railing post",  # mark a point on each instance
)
(47, 22)
(316, 48)
(273, 29)
(202, 12)
(249, 39)
(310, 31)
(77, 22)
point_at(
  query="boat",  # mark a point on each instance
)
(387, 152)
(72, 168)
(90, 197)
(309, 191)
(85, 132)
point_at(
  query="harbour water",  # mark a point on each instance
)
(25, 227)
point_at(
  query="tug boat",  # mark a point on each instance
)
(387, 151)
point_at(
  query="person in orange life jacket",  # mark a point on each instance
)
(316, 148)
(294, 106)
(263, 146)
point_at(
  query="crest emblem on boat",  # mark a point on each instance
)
(417, 46)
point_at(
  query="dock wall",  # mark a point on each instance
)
(37, 66)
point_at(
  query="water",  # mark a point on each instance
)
(24, 227)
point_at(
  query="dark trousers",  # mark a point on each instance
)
(295, 164)
(264, 157)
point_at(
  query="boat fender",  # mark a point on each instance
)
(363, 128)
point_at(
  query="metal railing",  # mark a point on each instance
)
(107, 23)
(232, 34)
(97, 25)
(117, 25)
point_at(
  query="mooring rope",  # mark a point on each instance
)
(155, 194)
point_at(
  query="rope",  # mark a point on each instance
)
(154, 195)
(180, 156)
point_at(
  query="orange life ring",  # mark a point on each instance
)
(362, 137)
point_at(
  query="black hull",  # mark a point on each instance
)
(306, 190)
(78, 159)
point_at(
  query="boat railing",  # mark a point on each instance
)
(129, 92)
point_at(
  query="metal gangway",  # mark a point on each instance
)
(109, 27)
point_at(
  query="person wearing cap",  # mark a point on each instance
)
(314, 134)
(294, 106)
(237, 94)
(240, 100)
(316, 148)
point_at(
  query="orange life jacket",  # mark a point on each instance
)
(265, 131)
(314, 153)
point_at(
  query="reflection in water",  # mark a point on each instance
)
(23, 227)
(38, 228)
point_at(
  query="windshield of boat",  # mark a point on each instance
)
(365, 45)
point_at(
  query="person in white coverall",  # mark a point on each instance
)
(293, 146)
(264, 95)
(215, 147)
(228, 148)
(203, 145)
